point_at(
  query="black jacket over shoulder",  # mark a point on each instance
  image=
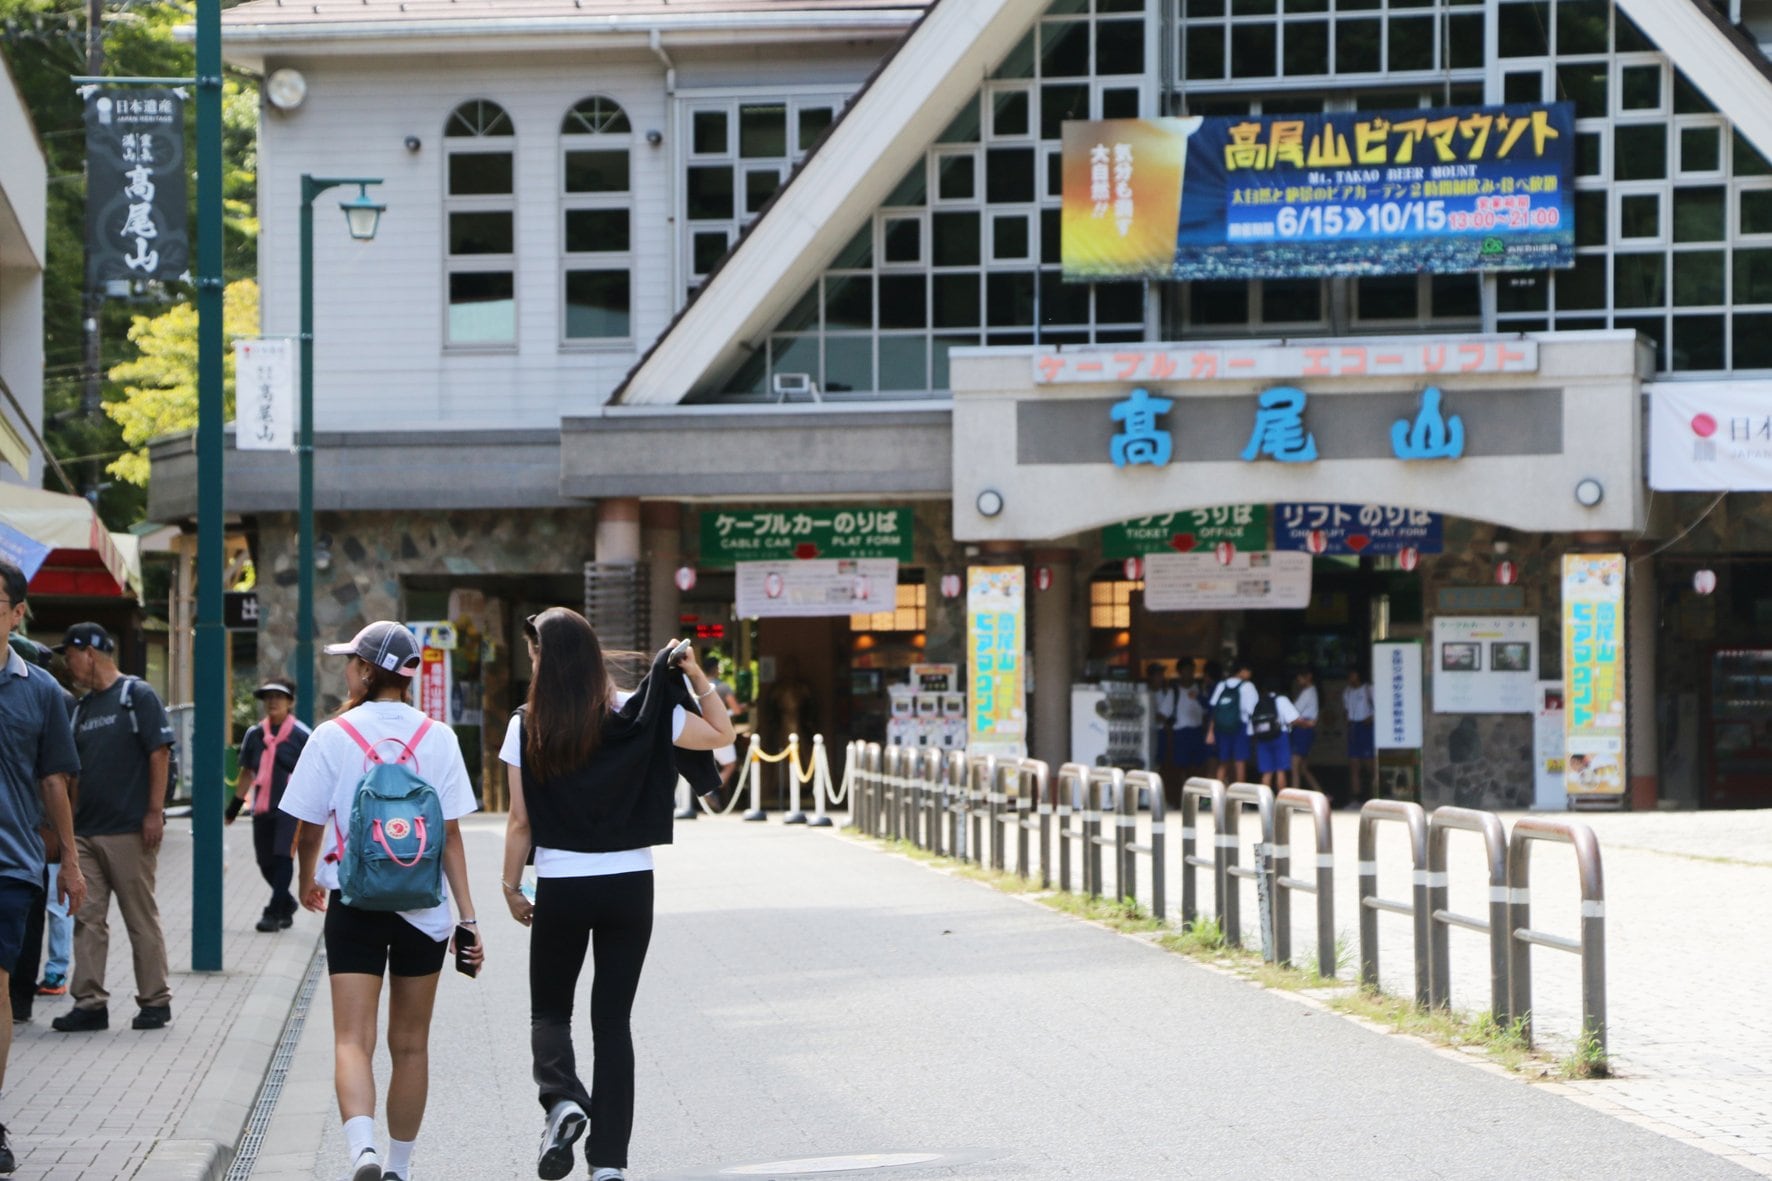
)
(624, 797)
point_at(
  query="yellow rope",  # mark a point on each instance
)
(791, 753)
(758, 755)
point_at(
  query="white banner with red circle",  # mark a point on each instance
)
(1710, 436)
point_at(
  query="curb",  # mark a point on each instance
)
(202, 1146)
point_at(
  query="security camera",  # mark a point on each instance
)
(413, 143)
(655, 137)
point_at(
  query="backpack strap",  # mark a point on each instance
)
(368, 747)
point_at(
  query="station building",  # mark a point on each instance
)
(665, 288)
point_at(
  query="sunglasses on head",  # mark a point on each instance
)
(529, 629)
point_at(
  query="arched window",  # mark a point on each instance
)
(480, 223)
(596, 212)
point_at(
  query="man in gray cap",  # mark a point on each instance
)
(125, 742)
(267, 756)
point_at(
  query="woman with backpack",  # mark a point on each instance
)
(378, 791)
(593, 775)
(1270, 729)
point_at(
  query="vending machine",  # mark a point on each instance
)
(1111, 725)
(929, 710)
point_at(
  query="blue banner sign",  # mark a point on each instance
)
(1448, 190)
(1356, 529)
(22, 550)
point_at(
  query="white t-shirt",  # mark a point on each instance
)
(566, 863)
(1189, 713)
(1307, 703)
(1358, 703)
(1247, 697)
(1288, 712)
(324, 783)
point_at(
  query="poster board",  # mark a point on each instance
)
(1396, 696)
(818, 587)
(1262, 580)
(1593, 675)
(1485, 664)
(996, 639)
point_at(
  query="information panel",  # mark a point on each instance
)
(1448, 190)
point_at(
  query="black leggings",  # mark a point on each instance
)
(272, 835)
(611, 914)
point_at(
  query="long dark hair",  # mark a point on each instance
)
(568, 695)
(376, 681)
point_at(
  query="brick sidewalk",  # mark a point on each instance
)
(167, 1104)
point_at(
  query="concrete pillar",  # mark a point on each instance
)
(1642, 732)
(618, 530)
(661, 543)
(1052, 615)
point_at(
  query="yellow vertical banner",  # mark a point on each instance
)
(1593, 673)
(996, 650)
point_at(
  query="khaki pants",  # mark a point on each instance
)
(120, 865)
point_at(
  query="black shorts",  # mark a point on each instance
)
(17, 899)
(376, 941)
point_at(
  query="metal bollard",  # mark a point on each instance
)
(1591, 946)
(1107, 788)
(1441, 920)
(980, 772)
(995, 799)
(1316, 805)
(1072, 785)
(1411, 815)
(954, 802)
(1262, 874)
(873, 761)
(1037, 779)
(1192, 792)
(1151, 784)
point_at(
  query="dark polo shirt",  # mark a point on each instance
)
(35, 743)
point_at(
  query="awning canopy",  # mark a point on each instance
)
(62, 546)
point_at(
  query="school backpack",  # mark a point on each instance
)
(391, 857)
(1264, 722)
(1227, 712)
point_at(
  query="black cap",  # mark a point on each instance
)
(274, 687)
(385, 644)
(87, 635)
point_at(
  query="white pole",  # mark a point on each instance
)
(821, 782)
(756, 813)
(795, 815)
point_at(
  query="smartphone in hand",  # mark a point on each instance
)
(465, 937)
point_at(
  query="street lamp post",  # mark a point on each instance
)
(362, 216)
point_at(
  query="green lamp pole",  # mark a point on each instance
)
(362, 216)
(210, 689)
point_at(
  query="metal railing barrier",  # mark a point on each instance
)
(1261, 873)
(1150, 784)
(1440, 826)
(954, 801)
(1192, 792)
(1069, 793)
(1371, 815)
(1591, 946)
(1104, 786)
(981, 774)
(1315, 805)
(1035, 789)
(871, 776)
(1007, 771)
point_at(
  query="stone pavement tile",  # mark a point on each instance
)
(806, 995)
(103, 1103)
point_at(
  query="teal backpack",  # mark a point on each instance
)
(391, 858)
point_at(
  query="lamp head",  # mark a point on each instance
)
(362, 215)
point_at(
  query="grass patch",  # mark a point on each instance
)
(1008, 883)
(1587, 1061)
(907, 849)
(1505, 1045)
(1122, 915)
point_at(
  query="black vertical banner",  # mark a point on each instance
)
(135, 185)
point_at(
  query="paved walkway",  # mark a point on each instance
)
(164, 1105)
(808, 995)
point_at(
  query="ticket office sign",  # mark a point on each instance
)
(1449, 190)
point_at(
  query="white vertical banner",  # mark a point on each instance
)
(264, 394)
(1396, 696)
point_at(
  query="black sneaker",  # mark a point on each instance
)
(268, 921)
(152, 1017)
(286, 920)
(78, 1020)
(7, 1164)
(566, 1123)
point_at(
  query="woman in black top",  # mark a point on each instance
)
(593, 775)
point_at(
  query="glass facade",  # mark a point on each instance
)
(480, 213)
(1674, 210)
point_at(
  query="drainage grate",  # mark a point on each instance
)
(246, 1155)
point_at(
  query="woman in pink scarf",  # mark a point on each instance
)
(267, 756)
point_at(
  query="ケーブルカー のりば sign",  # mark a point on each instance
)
(804, 532)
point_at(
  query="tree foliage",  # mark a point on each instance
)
(45, 44)
(160, 384)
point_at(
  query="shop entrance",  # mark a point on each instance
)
(1355, 601)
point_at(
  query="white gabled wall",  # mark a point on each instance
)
(1714, 63)
(887, 130)
(380, 307)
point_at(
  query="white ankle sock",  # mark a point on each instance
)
(400, 1157)
(359, 1134)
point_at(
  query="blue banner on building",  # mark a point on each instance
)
(22, 550)
(1448, 190)
(1357, 529)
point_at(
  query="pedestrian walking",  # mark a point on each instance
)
(37, 756)
(333, 792)
(1304, 730)
(1227, 722)
(125, 742)
(1356, 699)
(24, 986)
(1270, 730)
(592, 778)
(268, 754)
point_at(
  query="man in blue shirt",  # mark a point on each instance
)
(36, 758)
